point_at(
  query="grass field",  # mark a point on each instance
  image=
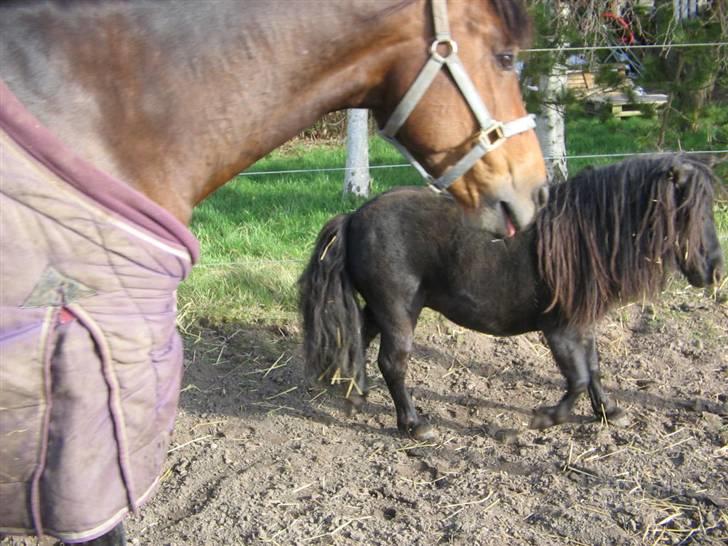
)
(257, 231)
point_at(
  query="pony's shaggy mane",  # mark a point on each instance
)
(611, 233)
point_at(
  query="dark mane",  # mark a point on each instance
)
(611, 233)
(516, 21)
(512, 13)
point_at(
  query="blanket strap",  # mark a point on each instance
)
(115, 406)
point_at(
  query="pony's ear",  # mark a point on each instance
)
(680, 173)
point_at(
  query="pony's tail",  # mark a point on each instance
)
(332, 323)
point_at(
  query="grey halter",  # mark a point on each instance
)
(492, 133)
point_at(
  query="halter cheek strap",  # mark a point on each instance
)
(492, 133)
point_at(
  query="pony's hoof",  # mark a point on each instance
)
(618, 418)
(354, 404)
(424, 432)
(545, 418)
(541, 421)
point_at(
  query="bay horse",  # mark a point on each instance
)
(607, 235)
(118, 117)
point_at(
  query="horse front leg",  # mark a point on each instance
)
(394, 353)
(569, 349)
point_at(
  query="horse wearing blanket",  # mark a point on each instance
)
(169, 100)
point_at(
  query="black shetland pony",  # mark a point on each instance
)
(609, 234)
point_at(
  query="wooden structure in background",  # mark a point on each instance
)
(622, 104)
(624, 101)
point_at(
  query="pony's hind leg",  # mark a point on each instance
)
(370, 330)
(396, 343)
(569, 349)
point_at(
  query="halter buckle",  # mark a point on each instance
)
(451, 45)
(492, 137)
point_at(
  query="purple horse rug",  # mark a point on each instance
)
(90, 359)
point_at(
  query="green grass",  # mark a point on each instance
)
(276, 216)
(257, 231)
(590, 136)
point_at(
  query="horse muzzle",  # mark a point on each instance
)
(510, 214)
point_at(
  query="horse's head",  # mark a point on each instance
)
(464, 121)
(699, 255)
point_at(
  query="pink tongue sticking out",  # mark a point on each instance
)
(510, 228)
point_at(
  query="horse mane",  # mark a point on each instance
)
(516, 21)
(512, 13)
(613, 233)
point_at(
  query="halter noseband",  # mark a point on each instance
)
(492, 133)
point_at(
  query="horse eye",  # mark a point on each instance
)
(506, 60)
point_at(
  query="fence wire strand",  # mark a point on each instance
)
(404, 165)
(568, 49)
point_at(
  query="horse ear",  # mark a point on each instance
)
(680, 173)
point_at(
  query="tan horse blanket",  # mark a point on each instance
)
(90, 359)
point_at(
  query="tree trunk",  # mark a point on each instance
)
(357, 180)
(550, 124)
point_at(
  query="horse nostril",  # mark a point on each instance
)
(542, 196)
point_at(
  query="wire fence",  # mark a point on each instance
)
(405, 165)
(569, 49)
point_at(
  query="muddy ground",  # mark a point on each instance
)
(258, 458)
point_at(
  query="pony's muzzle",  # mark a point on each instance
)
(541, 196)
(718, 273)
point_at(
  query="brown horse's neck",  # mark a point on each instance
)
(175, 98)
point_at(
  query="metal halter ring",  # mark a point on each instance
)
(451, 44)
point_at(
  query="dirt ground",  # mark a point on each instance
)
(259, 458)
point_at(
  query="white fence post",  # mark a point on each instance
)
(686, 9)
(550, 124)
(356, 179)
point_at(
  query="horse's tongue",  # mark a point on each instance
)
(510, 228)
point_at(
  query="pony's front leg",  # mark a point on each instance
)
(394, 352)
(602, 406)
(569, 349)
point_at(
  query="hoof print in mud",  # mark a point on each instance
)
(506, 436)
